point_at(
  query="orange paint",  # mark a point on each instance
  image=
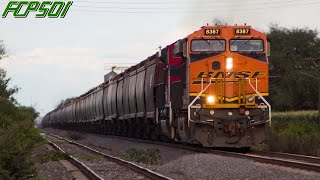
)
(245, 64)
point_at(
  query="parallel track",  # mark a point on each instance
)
(308, 163)
(139, 169)
(82, 167)
(291, 160)
(308, 159)
(287, 160)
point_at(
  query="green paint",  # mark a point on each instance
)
(56, 9)
(10, 8)
(66, 9)
(33, 6)
(43, 9)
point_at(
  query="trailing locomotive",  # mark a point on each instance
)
(209, 88)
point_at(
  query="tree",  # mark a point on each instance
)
(290, 89)
(17, 133)
(2, 50)
(5, 91)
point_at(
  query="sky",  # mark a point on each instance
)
(51, 59)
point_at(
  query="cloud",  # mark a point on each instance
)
(48, 75)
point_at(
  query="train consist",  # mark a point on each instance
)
(209, 88)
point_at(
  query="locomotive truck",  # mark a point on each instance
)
(209, 88)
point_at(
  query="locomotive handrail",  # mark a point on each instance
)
(202, 91)
(263, 99)
(201, 84)
(195, 99)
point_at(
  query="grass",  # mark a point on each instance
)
(52, 156)
(294, 132)
(295, 115)
(150, 156)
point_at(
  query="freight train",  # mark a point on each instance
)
(209, 88)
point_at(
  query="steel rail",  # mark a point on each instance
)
(292, 163)
(308, 163)
(308, 159)
(82, 167)
(139, 169)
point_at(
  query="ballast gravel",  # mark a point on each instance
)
(185, 164)
(52, 170)
(49, 170)
(205, 166)
(103, 167)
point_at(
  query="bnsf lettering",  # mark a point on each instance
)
(205, 75)
(242, 74)
(219, 74)
(258, 73)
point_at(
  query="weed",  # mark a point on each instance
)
(52, 156)
(150, 156)
(294, 132)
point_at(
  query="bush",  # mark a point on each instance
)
(295, 132)
(18, 135)
(17, 138)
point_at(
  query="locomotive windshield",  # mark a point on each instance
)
(208, 45)
(246, 45)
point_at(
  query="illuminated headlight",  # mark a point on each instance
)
(229, 63)
(211, 112)
(210, 99)
(250, 99)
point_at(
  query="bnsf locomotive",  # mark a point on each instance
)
(209, 88)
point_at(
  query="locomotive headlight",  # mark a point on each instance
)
(250, 99)
(210, 99)
(229, 64)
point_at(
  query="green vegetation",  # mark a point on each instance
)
(52, 156)
(17, 132)
(293, 68)
(150, 156)
(293, 87)
(294, 132)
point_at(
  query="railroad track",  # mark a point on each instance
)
(136, 168)
(89, 173)
(281, 159)
(308, 163)
(292, 160)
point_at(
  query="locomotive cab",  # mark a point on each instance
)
(228, 86)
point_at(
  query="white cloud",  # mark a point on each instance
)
(47, 75)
